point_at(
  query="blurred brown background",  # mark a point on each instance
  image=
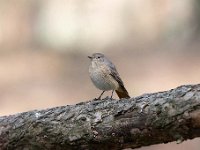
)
(44, 47)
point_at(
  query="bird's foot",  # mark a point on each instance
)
(96, 99)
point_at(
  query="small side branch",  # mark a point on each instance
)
(172, 115)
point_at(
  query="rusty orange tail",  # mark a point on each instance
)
(122, 93)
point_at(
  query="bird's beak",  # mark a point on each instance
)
(90, 57)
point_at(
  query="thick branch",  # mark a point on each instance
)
(107, 124)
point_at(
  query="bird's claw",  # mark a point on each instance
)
(96, 99)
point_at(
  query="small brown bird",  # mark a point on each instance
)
(105, 76)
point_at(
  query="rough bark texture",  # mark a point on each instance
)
(107, 124)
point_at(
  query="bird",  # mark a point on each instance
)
(105, 77)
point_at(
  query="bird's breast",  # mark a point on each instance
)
(100, 76)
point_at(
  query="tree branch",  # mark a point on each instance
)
(168, 116)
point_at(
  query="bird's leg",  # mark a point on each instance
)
(100, 95)
(112, 94)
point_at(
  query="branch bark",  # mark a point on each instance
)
(172, 115)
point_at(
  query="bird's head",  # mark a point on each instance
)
(97, 57)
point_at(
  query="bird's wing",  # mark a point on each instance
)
(121, 92)
(113, 72)
(116, 76)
